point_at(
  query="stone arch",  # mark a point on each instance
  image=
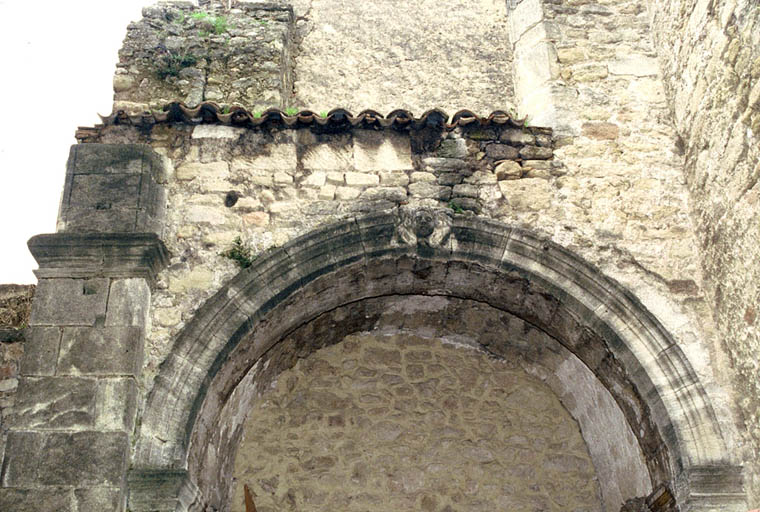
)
(428, 252)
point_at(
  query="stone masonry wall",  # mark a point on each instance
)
(400, 422)
(15, 305)
(268, 186)
(710, 52)
(420, 55)
(590, 70)
(230, 56)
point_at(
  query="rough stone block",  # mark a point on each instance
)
(211, 131)
(394, 194)
(501, 152)
(535, 153)
(394, 178)
(40, 351)
(517, 137)
(37, 500)
(192, 170)
(101, 351)
(524, 16)
(359, 179)
(452, 148)
(429, 190)
(465, 190)
(423, 176)
(128, 303)
(81, 459)
(444, 163)
(69, 301)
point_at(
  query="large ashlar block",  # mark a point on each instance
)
(75, 403)
(113, 188)
(275, 157)
(128, 303)
(523, 17)
(34, 500)
(85, 459)
(376, 151)
(331, 156)
(41, 351)
(101, 351)
(69, 301)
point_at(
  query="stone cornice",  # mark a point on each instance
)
(81, 255)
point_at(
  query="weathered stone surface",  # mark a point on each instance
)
(429, 190)
(477, 48)
(98, 499)
(358, 179)
(75, 459)
(67, 255)
(527, 193)
(374, 151)
(113, 187)
(501, 152)
(174, 53)
(329, 157)
(601, 130)
(35, 500)
(128, 302)
(101, 351)
(155, 490)
(85, 301)
(508, 171)
(535, 153)
(41, 351)
(73, 403)
(190, 171)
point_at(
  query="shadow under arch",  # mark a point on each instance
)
(432, 252)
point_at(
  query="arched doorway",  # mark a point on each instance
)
(192, 421)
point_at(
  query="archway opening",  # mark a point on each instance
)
(442, 402)
(228, 354)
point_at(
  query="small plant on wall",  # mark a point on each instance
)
(170, 64)
(240, 253)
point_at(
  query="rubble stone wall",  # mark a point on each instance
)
(178, 51)
(408, 423)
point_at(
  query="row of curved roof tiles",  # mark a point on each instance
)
(209, 112)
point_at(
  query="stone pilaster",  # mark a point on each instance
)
(70, 435)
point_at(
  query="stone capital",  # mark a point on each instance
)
(86, 255)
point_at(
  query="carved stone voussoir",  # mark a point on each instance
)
(423, 226)
(78, 255)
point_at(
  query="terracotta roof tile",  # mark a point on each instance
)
(336, 120)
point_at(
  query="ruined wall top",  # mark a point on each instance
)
(178, 51)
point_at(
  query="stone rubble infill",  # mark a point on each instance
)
(234, 56)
